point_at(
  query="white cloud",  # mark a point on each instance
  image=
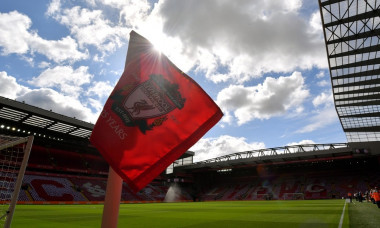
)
(66, 105)
(256, 37)
(132, 13)
(91, 2)
(13, 33)
(323, 83)
(272, 98)
(90, 27)
(54, 6)
(96, 104)
(325, 98)
(16, 37)
(65, 78)
(43, 64)
(48, 99)
(100, 89)
(324, 115)
(302, 142)
(207, 148)
(321, 74)
(316, 23)
(57, 50)
(320, 120)
(9, 87)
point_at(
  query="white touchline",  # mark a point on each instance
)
(342, 216)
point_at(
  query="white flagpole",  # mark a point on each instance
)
(112, 200)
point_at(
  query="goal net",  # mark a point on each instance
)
(293, 196)
(14, 155)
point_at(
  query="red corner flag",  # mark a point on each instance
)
(154, 114)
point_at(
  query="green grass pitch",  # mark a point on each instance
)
(302, 213)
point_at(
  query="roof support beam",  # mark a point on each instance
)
(356, 64)
(375, 32)
(363, 129)
(356, 51)
(364, 82)
(363, 16)
(365, 90)
(359, 74)
(367, 97)
(330, 2)
(375, 114)
(365, 103)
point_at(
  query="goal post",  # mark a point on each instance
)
(294, 196)
(14, 156)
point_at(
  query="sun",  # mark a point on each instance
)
(153, 31)
(164, 44)
(161, 44)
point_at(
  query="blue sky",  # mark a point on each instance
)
(263, 62)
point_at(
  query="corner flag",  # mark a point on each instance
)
(154, 114)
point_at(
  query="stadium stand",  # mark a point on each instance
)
(59, 173)
(49, 187)
(66, 160)
(64, 167)
(40, 158)
(317, 181)
(95, 164)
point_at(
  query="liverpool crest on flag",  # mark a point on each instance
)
(153, 98)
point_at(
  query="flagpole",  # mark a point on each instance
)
(112, 200)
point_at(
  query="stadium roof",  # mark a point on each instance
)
(22, 118)
(279, 155)
(351, 29)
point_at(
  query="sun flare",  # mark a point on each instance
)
(161, 44)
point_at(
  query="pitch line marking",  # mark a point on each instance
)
(342, 216)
